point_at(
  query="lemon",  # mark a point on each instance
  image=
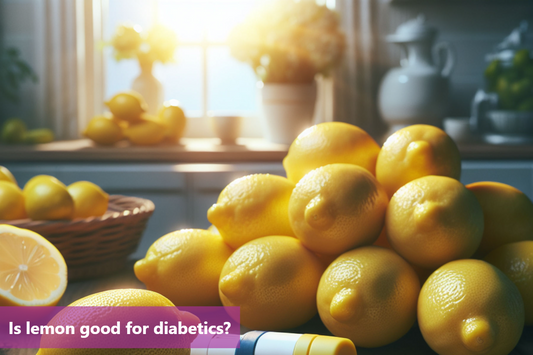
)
(173, 117)
(11, 202)
(127, 106)
(13, 131)
(89, 199)
(33, 271)
(470, 307)
(39, 178)
(112, 298)
(337, 207)
(433, 220)
(146, 132)
(5, 175)
(508, 215)
(103, 130)
(185, 266)
(252, 207)
(274, 282)
(329, 143)
(39, 136)
(47, 199)
(414, 152)
(516, 262)
(368, 295)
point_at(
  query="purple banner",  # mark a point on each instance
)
(119, 327)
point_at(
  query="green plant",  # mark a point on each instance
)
(289, 41)
(13, 73)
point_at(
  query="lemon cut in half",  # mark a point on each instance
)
(32, 271)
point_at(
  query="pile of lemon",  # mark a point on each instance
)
(128, 120)
(14, 131)
(353, 232)
(46, 198)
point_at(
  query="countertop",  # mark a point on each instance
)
(207, 150)
(410, 344)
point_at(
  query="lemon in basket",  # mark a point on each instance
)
(5, 175)
(184, 266)
(89, 199)
(11, 202)
(48, 199)
(39, 178)
(33, 271)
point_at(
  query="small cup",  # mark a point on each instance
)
(458, 129)
(227, 128)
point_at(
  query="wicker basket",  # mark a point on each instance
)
(97, 246)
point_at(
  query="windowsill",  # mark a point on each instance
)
(191, 150)
(208, 150)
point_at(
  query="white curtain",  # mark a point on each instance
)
(357, 80)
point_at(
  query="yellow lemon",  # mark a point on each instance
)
(47, 199)
(469, 307)
(127, 106)
(516, 261)
(113, 298)
(11, 202)
(252, 207)
(89, 199)
(508, 215)
(274, 282)
(33, 271)
(330, 143)
(146, 132)
(368, 295)
(39, 136)
(416, 151)
(337, 207)
(185, 266)
(39, 178)
(103, 130)
(5, 175)
(13, 131)
(173, 117)
(433, 220)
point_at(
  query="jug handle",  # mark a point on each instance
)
(482, 102)
(449, 53)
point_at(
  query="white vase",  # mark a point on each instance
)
(287, 110)
(149, 87)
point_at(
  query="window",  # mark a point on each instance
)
(205, 77)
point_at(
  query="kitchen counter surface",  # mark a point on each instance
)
(411, 344)
(206, 150)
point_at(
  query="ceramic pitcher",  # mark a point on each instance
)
(417, 92)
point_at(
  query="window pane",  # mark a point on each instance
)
(136, 12)
(232, 84)
(183, 80)
(186, 18)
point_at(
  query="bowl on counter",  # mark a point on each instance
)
(516, 123)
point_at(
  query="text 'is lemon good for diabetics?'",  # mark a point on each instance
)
(516, 262)
(11, 202)
(368, 295)
(111, 298)
(337, 207)
(330, 143)
(33, 272)
(252, 207)
(508, 215)
(89, 199)
(274, 281)
(414, 152)
(469, 307)
(185, 267)
(46, 198)
(433, 220)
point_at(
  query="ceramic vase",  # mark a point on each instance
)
(149, 87)
(287, 110)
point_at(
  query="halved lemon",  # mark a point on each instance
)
(32, 270)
